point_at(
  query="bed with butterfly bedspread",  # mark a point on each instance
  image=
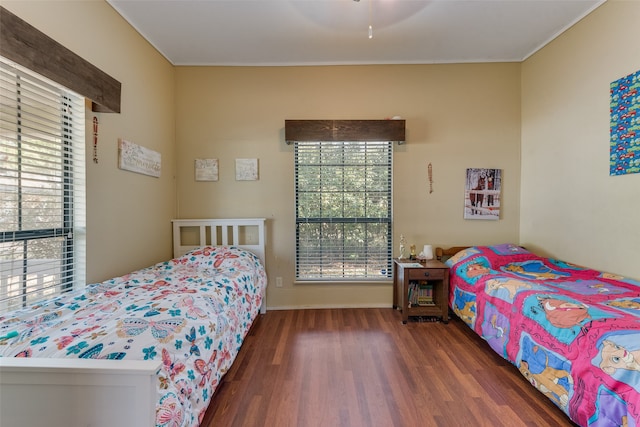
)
(573, 332)
(148, 348)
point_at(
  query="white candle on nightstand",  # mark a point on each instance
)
(428, 252)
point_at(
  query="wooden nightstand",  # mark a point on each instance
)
(428, 284)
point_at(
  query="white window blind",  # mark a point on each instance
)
(343, 210)
(42, 188)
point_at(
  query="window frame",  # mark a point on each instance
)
(63, 181)
(383, 271)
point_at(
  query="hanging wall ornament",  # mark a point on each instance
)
(95, 139)
(430, 175)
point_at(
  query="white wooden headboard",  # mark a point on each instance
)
(247, 233)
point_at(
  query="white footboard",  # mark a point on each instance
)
(77, 392)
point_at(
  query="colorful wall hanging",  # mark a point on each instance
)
(625, 125)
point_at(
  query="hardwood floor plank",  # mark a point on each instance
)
(363, 367)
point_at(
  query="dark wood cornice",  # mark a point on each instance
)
(344, 130)
(25, 45)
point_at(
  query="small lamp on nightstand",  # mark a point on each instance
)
(427, 252)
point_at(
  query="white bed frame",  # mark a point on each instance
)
(107, 393)
(246, 233)
(235, 232)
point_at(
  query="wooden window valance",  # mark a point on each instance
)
(27, 46)
(344, 130)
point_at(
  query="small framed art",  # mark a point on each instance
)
(246, 169)
(206, 169)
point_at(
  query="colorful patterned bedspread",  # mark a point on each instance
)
(573, 332)
(192, 313)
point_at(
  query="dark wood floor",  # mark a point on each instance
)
(363, 367)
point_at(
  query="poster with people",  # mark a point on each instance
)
(482, 194)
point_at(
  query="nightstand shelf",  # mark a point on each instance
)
(428, 280)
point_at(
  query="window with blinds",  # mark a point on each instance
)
(42, 188)
(343, 210)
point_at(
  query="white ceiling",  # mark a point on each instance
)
(333, 32)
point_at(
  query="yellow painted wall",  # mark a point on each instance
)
(570, 207)
(128, 214)
(457, 116)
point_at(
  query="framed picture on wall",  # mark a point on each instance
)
(482, 194)
(136, 158)
(624, 103)
(246, 169)
(206, 169)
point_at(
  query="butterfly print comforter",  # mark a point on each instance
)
(191, 313)
(573, 332)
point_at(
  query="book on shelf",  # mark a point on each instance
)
(420, 294)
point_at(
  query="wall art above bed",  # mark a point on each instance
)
(624, 155)
(246, 169)
(482, 194)
(206, 169)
